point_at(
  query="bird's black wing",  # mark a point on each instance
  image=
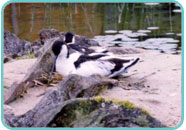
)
(76, 47)
(118, 64)
(85, 58)
(81, 49)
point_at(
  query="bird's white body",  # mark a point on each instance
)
(65, 65)
(102, 66)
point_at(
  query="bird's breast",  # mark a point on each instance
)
(64, 66)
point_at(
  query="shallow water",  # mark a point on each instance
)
(145, 25)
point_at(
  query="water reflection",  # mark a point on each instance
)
(134, 23)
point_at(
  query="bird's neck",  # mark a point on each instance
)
(64, 54)
(73, 39)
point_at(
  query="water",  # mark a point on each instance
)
(145, 25)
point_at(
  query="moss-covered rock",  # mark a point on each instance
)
(101, 112)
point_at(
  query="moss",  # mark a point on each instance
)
(100, 88)
(86, 112)
(142, 121)
(74, 111)
(127, 104)
(144, 111)
(6, 87)
(28, 56)
(98, 99)
(80, 110)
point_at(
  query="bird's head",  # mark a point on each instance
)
(69, 37)
(58, 46)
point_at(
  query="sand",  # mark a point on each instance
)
(15, 70)
(160, 94)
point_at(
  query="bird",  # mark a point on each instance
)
(83, 48)
(85, 65)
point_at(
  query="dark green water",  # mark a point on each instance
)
(142, 25)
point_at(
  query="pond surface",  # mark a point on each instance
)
(145, 25)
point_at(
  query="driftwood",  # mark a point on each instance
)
(42, 65)
(71, 87)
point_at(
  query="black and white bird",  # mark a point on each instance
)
(85, 65)
(83, 48)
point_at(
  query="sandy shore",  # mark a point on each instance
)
(160, 93)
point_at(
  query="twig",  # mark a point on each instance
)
(129, 75)
(41, 94)
(138, 83)
(38, 82)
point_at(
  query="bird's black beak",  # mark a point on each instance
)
(53, 65)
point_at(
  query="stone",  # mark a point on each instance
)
(51, 33)
(90, 112)
(36, 45)
(14, 47)
(47, 34)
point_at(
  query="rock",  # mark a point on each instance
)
(71, 87)
(48, 33)
(90, 112)
(36, 51)
(14, 47)
(7, 58)
(51, 33)
(85, 40)
(36, 45)
(53, 111)
(7, 110)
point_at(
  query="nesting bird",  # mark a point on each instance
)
(87, 65)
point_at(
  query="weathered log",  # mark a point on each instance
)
(42, 65)
(71, 87)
